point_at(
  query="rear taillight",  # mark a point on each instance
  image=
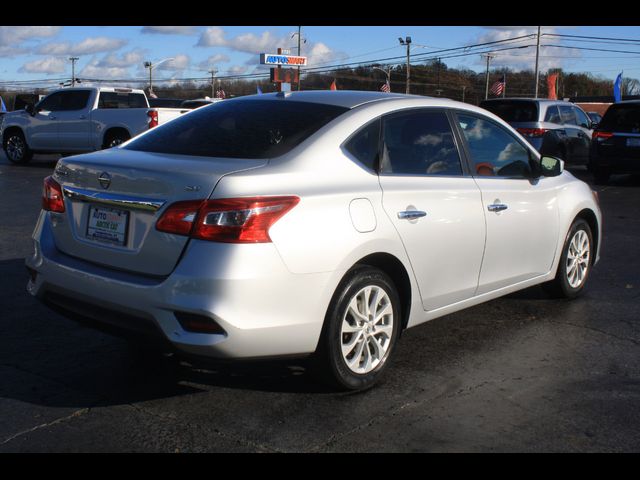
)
(532, 132)
(52, 199)
(153, 118)
(601, 135)
(229, 220)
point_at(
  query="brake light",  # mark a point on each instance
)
(153, 118)
(179, 217)
(229, 220)
(52, 199)
(602, 135)
(532, 132)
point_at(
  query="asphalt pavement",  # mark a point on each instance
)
(522, 373)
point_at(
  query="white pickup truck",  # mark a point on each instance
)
(76, 120)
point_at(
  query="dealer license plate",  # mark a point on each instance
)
(633, 142)
(108, 225)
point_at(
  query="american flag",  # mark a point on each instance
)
(498, 87)
(386, 87)
(220, 94)
(151, 94)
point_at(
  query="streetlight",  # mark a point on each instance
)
(303, 40)
(407, 42)
(387, 73)
(150, 66)
(73, 70)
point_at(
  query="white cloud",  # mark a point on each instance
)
(86, 47)
(104, 69)
(213, 60)
(212, 37)
(125, 60)
(524, 59)
(237, 70)
(46, 65)
(11, 36)
(179, 62)
(167, 30)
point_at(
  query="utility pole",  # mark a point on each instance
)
(464, 87)
(73, 70)
(438, 74)
(537, 58)
(489, 57)
(299, 38)
(213, 72)
(407, 42)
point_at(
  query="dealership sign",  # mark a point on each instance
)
(278, 59)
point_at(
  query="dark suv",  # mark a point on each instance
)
(553, 127)
(615, 147)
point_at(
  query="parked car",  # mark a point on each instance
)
(615, 147)
(595, 118)
(553, 127)
(75, 120)
(199, 102)
(309, 223)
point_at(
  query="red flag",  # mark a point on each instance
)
(333, 86)
(552, 80)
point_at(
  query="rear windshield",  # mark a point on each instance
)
(621, 118)
(239, 129)
(513, 111)
(122, 100)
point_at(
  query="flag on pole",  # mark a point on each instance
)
(333, 86)
(3, 107)
(552, 86)
(386, 87)
(259, 90)
(617, 93)
(151, 94)
(498, 87)
(220, 94)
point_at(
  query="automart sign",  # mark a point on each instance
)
(276, 59)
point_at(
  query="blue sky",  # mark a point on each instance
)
(31, 53)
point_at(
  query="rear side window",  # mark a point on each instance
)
(121, 100)
(364, 145)
(419, 143)
(239, 129)
(552, 115)
(621, 118)
(513, 111)
(567, 115)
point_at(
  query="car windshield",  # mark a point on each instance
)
(622, 118)
(239, 129)
(513, 111)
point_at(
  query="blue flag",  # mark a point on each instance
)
(259, 91)
(3, 107)
(617, 94)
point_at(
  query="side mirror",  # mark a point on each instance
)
(594, 125)
(30, 109)
(551, 166)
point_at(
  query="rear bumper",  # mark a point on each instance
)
(264, 309)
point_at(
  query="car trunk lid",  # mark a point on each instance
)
(114, 198)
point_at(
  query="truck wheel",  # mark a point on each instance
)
(16, 148)
(114, 139)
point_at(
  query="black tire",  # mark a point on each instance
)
(560, 286)
(16, 148)
(329, 362)
(113, 139)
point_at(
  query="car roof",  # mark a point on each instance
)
(353, 98)
(521, 99)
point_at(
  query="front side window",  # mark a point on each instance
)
(239, 129)
(581, 118)
(493, 150)
(51, 103)
(419, 143)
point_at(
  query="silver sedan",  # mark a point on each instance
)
(309, 223)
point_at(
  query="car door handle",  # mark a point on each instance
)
(411, 214)
(497, 207)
